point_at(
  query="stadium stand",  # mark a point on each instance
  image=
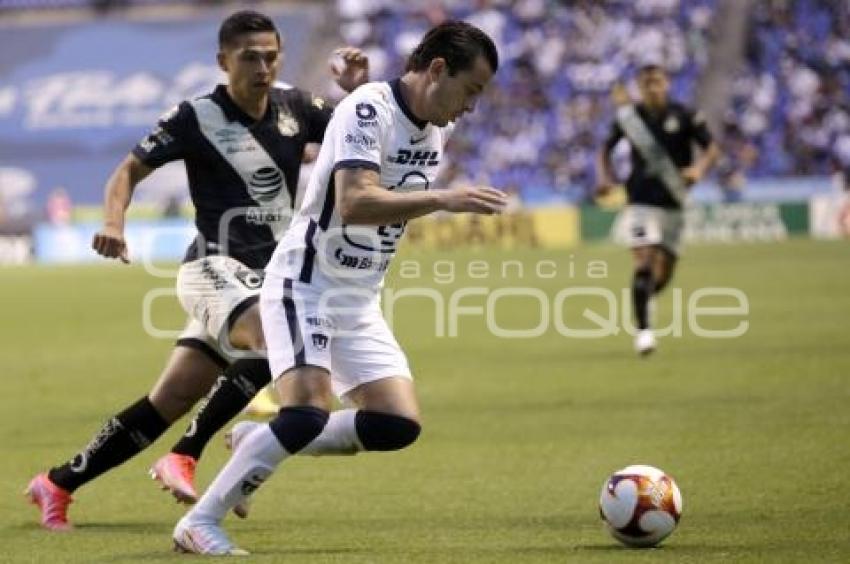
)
(788, 109)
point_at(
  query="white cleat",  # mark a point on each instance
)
(231, 440)
(645, 342)
(203, 538)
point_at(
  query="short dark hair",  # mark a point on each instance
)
(459, 43)
(242, 22)
(651, 67)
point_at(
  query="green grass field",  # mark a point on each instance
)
(519, 433)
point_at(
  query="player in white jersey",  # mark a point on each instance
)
(319, 303)
(242, 146)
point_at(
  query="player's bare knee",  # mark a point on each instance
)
(386, 431)
(186, 378)
(174, 398)
(642, 259)
(663, 275)
(305, 385)
(258, 341)
(253, 340)
(246, 331)
(661, 282)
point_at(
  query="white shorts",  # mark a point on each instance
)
(341, 330)
(215, 290)
(644, 226)
(195, 336)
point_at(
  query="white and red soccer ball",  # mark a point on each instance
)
(640, 505)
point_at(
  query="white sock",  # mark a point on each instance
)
(251, 464)
(339, 436)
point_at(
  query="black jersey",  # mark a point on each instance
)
(675, 129)
(242, 173)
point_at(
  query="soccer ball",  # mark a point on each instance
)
(640, 505)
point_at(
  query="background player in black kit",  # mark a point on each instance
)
(242, 145)
(661, 133)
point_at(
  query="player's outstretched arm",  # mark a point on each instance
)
(606, 178)
(109, 241)
(363, 201)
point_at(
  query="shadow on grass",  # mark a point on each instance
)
(672, 549)
(284, 552)
(141, 527)
(145, 527)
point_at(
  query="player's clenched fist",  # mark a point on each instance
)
(602, 189)
(350, 67)
(474, 199)
(109, 242)
(692, 174)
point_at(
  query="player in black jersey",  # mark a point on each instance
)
(661, 133)
(242, 146)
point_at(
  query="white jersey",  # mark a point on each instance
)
(372, 128)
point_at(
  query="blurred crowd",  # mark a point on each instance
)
(792, 99)
(538, 131)
(97, 5)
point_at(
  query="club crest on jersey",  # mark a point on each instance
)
(366, 114)
(671, 124)
(320, 342)
(415, 158)
(287, 125)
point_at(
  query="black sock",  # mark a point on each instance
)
(231, 393)
(121, 438)
(296, 427)
(383, 431)
(642, 290)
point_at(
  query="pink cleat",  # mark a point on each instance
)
(53, 502)
(176, 473)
